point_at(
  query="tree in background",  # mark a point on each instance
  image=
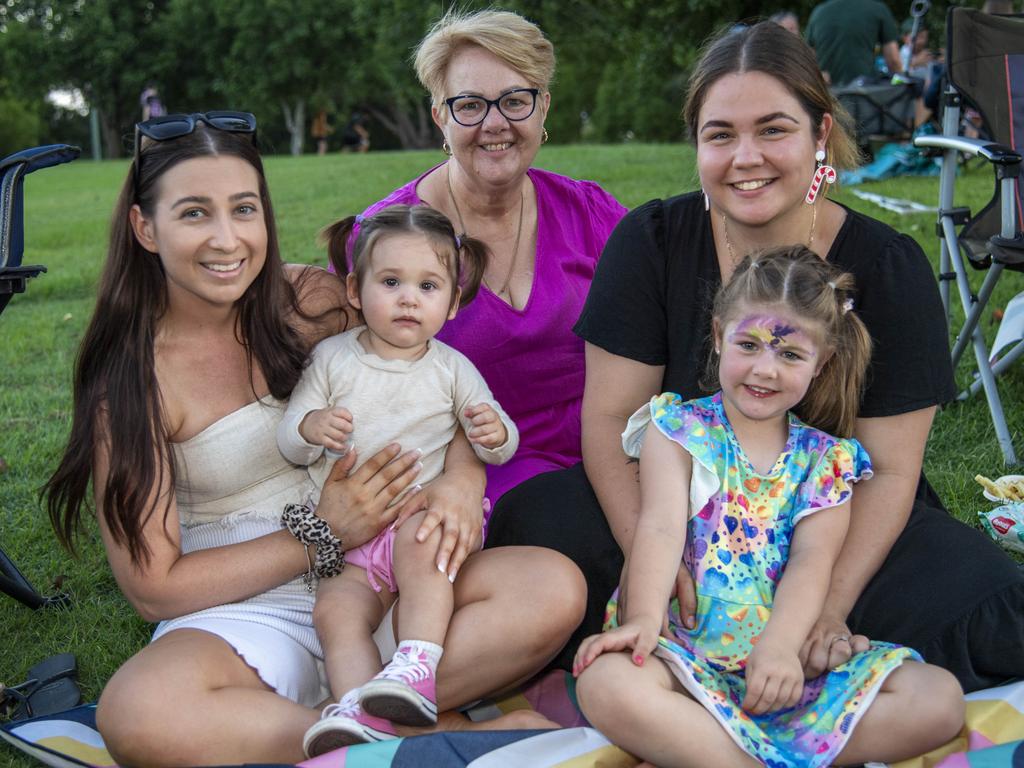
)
(622, 64)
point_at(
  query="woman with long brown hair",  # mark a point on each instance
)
(199, 335)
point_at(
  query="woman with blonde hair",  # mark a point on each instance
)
(488, 74)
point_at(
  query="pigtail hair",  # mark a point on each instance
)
(833, 399)
(336, 236)
(473, 256)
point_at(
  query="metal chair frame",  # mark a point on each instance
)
(999, 252)
(14, 278)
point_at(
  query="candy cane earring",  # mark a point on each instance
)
(823, 173)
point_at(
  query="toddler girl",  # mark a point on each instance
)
(391, 381)
(749, 489)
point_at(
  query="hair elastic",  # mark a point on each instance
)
(458, 243)
(360, 218)
(831, 285)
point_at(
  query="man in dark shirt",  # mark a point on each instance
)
(844, 33)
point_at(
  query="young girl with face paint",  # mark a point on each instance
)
(751, 490)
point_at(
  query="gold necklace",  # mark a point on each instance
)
(519, 230)
(728, 243)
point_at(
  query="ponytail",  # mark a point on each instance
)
(833, 399)
(335, 236)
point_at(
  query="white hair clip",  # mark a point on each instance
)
(847, 305)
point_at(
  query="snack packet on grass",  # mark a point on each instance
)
(1005, 524)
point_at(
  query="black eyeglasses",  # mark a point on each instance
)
(514, 105)
(168, 127)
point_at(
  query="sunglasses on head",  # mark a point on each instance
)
(168, 127)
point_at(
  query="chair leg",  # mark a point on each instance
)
(14, 584)
(995, 405)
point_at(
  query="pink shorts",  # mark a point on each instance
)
(375, 556)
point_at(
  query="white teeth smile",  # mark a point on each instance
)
(759, 390)
(224, 267)
(749, 186)
(496, 147)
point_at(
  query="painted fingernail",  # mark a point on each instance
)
(417, 488)
(418, 466)
(451, 577)
(638, 660)
(442, 566)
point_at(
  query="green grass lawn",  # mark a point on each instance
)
(67, 215)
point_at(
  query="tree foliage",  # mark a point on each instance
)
(622, 64)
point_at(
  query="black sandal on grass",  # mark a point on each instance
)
(50, 688)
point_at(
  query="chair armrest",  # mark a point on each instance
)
(40, 157)
(999, 154)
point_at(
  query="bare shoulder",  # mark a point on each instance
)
(323, 308)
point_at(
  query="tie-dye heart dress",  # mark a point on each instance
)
(738, 539)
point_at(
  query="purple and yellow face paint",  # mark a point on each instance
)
(771, 331)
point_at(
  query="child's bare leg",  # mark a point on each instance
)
(919, 707)
(425, 609)
(346, 613)
(645, 711)
(406, 690)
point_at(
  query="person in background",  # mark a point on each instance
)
(320, 130)
(150, 102)
(844, 35)
(787, 20)
(355, 137)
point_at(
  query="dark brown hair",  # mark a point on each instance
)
(798, 279)
(117, 399)
(768, 48)
(464, 257)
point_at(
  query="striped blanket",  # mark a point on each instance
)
(993, 738)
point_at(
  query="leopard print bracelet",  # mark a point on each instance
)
(303, 523)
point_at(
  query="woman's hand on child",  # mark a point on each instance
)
(488, 430)
(329, 427)
(775, 679)
(449, 505)
(686, 593)
(639, 636)
(355, 504)
(829, 644)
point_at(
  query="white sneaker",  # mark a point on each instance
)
(342, 725)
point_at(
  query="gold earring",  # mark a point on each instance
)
(544, 136)
(446, 148)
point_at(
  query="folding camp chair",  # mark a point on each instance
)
(985, 68)
(13, 279)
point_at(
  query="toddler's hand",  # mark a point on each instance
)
(329, 427)
(640, 636)
(775, 679)
(488, 429)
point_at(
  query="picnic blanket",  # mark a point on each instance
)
(993, 738)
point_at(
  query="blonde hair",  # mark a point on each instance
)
(796, 278)
(517, 42)
(768, 48)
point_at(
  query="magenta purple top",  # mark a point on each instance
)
(530, 357)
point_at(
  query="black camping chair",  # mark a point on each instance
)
(985, 67)
(13, 279)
